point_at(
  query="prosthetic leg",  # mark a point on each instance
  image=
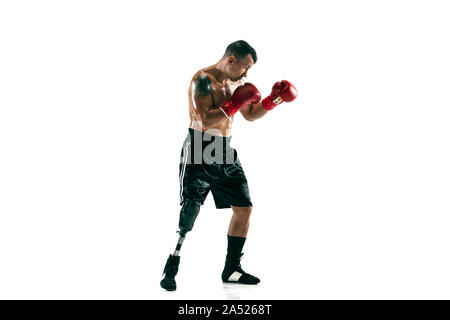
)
(188, 214)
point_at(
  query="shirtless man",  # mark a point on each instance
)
(208, 163)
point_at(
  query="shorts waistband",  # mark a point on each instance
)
(207, 138)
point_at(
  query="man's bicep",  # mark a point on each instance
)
(201, 94)
(202, 86)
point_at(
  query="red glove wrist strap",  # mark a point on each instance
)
(229, 108)
(269, 103)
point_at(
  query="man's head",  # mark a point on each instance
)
(239, 57)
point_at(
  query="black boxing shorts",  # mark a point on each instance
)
(208, 163)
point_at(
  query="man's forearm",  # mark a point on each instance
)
(255, 111)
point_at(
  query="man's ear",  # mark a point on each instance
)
(231, 59)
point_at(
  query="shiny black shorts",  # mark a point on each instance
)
(204, 168)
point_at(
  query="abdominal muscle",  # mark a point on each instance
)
(223, 129)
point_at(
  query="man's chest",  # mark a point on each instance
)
(221, 94)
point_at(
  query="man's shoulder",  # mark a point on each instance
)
(205, 75)
(203, 83)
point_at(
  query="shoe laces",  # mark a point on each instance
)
(235, 263)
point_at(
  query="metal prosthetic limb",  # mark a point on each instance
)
(179, 244)
(188, 214)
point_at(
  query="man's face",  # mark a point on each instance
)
(238, 67)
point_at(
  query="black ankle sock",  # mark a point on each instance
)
(235, 245)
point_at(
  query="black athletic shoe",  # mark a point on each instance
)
(170, 271)
(233, 272)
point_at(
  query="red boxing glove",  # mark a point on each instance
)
(241, 97)
(281, 91)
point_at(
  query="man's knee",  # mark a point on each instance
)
(188, 214)
(242, 212)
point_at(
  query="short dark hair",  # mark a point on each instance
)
(240, 49)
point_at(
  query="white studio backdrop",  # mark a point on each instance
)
(350, 182)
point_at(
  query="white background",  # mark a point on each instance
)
(350, 182)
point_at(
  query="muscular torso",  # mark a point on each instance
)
(218, 94)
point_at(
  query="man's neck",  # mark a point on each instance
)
(220, 73)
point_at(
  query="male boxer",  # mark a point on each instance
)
(208, 163)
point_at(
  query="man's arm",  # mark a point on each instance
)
(253, 112)
(209, 115)
(281, 91)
